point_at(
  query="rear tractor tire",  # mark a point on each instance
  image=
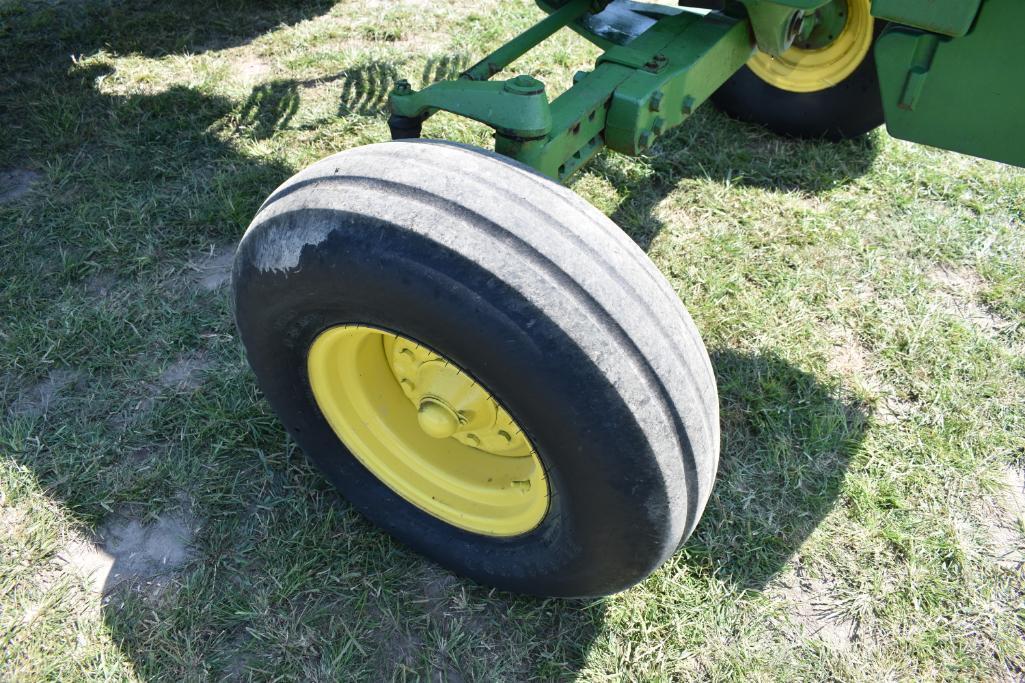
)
(824, 86)
(482, 363)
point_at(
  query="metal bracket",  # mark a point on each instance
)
(517, 108)
(635, 94)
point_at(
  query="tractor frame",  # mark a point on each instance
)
(951, 75)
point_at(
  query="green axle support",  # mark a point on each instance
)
(635, 93)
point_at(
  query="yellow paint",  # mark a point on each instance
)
(809, 70)
(426, 429)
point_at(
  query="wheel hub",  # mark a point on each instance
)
(833, 42)
(428, 430)
(450, 404)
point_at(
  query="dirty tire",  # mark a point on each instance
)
(847, 110)
(543, 300)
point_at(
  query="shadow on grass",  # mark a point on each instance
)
(712, 146)
(786, 443)
(363, 91)
(226, 554)
(244, 563)
(152, 28)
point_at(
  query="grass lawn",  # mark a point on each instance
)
(862, 303)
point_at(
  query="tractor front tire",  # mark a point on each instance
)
(482, 363)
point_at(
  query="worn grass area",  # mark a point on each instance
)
(862, 303)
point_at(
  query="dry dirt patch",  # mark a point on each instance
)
(100, 286)
(214, 269)
(252, 69)
(185, 373)
(15, 182)
(36, 401)
(814, 611)
(959, 290)
(850, 359)
(127, 550)
(1005, 523)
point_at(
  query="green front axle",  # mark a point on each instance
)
(637, 91)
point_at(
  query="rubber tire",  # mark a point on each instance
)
(848, 110)
(536, 294)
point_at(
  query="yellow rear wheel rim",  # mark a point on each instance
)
(426, 429)
(809, 70)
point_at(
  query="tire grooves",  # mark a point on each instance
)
(584, 299)
(614, 235)
(612, 231)
(705, 387)
(626, 285)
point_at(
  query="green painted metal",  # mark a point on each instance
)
(948, 17)
(661, 63)
(638, 92)
(966, 94)
(517, 107)
(774, 25)
(700, 53)
(635, 93)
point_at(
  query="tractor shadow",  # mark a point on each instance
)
(711, 146)
(787, 440)
(216, 551)
(361, 90)
(251, 579)
(158, 29)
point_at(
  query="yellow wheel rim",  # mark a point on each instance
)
(427, 430)
(802, 69)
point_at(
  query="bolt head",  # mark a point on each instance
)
(644, 140)
(524, 85)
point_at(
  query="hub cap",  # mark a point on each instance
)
(426, 429)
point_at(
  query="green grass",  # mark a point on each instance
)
(861, 302)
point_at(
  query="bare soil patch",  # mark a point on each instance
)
(100, 286)
(185, 373)
(252, 69)
(1006, 522)
(214, 269)
(127, 550)
(850, 359)
(16, 182)
(959, 290)
(37, 400)
(814, 611)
